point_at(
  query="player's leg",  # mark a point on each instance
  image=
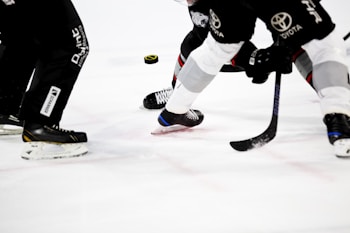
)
(205, 62)
(199, 16)
(17, 59)
(63, 48)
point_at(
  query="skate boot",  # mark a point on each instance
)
(338, 127)
(158, 99)
(51, 142)
(10, 125)
(171, 122)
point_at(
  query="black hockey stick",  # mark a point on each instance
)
(271, 130)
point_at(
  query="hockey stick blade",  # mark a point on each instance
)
(271, 130)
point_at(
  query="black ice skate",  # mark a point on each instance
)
(10, 125)
(171, 122)
(158, 99)
(51, 142)
(338, 127)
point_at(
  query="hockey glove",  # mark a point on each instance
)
(274, 58)
(242, 59)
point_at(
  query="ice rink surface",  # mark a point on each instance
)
(186, 182)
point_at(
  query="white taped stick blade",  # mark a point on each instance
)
(342, 148)
(45, 150)
(10, 130)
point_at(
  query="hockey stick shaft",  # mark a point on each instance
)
(269, 134)
(346, 36)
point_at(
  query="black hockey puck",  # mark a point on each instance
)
(151, 59)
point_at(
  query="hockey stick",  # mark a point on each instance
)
(271, 130)
(270, 133)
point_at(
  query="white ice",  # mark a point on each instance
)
(188, 182)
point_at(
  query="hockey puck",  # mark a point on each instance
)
(151, 59)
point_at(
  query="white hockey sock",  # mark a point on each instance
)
(181, 99)
(335, 100)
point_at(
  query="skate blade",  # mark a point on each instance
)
(169, 129)
(45, 150)
(10, 130)
(342, 148)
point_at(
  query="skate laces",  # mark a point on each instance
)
(13, 118)
(163, 95)
(192, 115)
(56, 127)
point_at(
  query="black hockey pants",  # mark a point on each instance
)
(45, 40)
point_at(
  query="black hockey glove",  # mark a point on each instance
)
(242, 59)
(274, 58)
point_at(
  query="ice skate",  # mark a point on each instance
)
(10, 125)
(171, 122)
(338, 127)
(52, 142)
(158, 99)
